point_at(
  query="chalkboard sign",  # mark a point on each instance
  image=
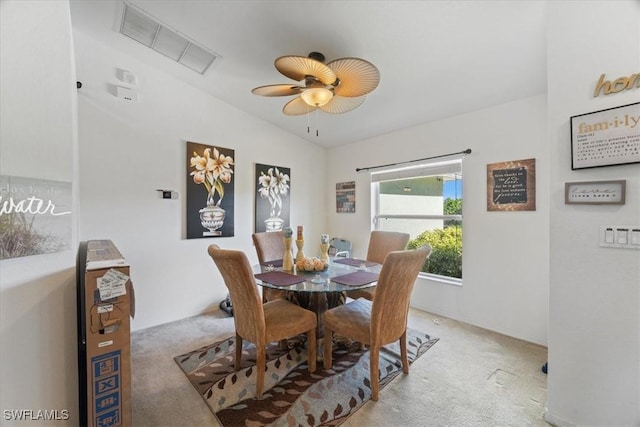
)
(511, 186)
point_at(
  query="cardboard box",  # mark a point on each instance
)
(105, 304)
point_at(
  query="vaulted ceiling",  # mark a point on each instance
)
(436, 58)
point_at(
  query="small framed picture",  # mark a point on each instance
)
(346, 197)
(595, 192)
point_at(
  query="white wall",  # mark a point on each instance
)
(121, 163)
(505, 254)
(594, 309)
(38, 140)
(129, 150)
(594, 334)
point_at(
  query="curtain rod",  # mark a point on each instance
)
(467, 151)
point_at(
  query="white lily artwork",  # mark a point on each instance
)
(272, 197)
(209, 212)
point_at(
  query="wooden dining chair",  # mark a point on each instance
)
(269, 247)
(382, 321)
(257, 322)
(380, 244)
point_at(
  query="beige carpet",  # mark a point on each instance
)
(471, 377)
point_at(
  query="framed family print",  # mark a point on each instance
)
(595, 192)
(606, 137)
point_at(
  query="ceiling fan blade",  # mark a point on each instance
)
(297, 107)
(277, 90)
(341, 104)
(357, 76)
(299, 67)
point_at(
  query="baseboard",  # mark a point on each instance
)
(555, 420)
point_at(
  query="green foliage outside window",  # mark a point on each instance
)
(446, 244)
(452, 206)
(446, 251)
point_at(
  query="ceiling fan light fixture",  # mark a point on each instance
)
(337, 87)
(317, 96)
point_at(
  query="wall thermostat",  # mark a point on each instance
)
(168, 194)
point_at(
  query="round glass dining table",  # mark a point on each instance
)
(318, 291)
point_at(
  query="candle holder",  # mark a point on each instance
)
(287, 257)
(324, 252)
(300, 245)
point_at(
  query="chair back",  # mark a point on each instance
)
(247, 302)
(383, 242)
(269, 245)
(393, 292)
(339, 247)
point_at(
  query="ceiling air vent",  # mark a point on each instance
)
(151, 33)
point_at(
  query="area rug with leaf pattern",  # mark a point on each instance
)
(293, 396)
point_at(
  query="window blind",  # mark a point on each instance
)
(422, 169)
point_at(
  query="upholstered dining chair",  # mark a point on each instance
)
(257, 322)
(380, 244)
(269, 247)
(382, 321)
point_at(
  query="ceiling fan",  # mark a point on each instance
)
(336, 87)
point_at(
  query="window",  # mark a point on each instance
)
(426, 202)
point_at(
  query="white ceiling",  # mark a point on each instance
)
(436, 58)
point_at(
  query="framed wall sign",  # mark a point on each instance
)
(606, 137)
(595, 192)
(511, 186)
(35, 216)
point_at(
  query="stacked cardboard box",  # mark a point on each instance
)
(105, 305)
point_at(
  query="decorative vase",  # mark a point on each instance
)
(300, 245)
(212, 218)
(287, 257)
(274, 223)
(324, 252)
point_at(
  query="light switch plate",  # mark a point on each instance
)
(620, 236)
(608, 235)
